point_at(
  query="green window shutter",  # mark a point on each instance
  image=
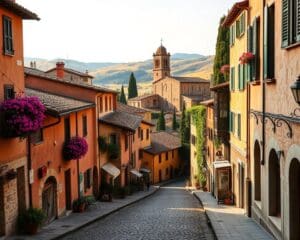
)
(243, 23)
(285, 23)
(249, 39)
(233, 122)
(298, 21)
(230, 79)
(239, 126)
(233, 78)
(233, 33)
(266, 39)
(230, 121)
(254, 50)
(239, 76)
(230, 36)
(244, 72)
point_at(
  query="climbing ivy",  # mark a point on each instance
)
(198, 119)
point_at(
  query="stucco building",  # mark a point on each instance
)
(169, 92)
(13, 155)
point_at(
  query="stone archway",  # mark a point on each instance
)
(257, 172)
(49, 199)
(95, 182)
(294, 191)
(274, 185)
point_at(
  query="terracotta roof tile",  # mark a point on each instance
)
(18, 10)
(58, 105)
(234, 12)
(142, 97)
(81, 74)
(130, 109)
(162, 142)
(39, 73)
(122, 119)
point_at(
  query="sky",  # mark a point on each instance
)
(121, 30)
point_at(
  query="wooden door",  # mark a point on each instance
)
(21, 189)
(68, 189)
(49, 201)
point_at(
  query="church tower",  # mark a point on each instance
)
(161, 63)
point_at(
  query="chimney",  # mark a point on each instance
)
(60, 72)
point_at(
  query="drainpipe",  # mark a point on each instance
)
(29, 160)
(263, 109)
(77, 160)
(248, 178)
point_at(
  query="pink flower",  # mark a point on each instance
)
(75, 148)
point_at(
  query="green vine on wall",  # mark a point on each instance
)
(198, 119)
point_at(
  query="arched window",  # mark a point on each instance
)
(257, 182)
(156, 63)
(274, 185)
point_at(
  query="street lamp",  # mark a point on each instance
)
(296, 90)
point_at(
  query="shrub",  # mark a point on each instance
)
(22, 116)
(75, 148)
(113, 151)
(32, 216)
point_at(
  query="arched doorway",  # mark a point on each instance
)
(95, 182)
(294, 191)
(257, 174)
(274, 185)
(49, 199)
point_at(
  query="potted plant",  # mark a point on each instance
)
(75, 148)
(30, 220)
(21, 116)
(79, 205)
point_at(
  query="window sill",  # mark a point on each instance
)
(37, 143)
(294, 45)
(276, 221)
(270, 81)
(255, 82)
(9, 53)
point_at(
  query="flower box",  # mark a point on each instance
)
(75, 148)
(21, 116)
(246, 57)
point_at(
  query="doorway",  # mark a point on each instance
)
(241, 185)
(294, 183)
(49, 199)
(68, 189)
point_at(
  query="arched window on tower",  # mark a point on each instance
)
(157, 63)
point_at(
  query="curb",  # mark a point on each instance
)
(209, 222)
(105, 215)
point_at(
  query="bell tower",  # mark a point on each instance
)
(161, 63)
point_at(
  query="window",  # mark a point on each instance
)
(7, 36)
(37, 137)
(159, 160)
(9, 92)
(167, 156)
(133, 159)
(232, 78)
(141, 153)
(290, 32)
(84, 126)
(147, 134)
(241, 76)
(231, 122)
(239, 126)
(67, 129)
(156, 63)
(240, 26)
(167, 171)
(126, 142)
(139, 132)
(255, 46)
(87, 179)
(113, 138)
(106, 104)
(101, 104)
(142, 134)
(269, 42)
(232, 35)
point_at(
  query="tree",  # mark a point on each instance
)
(222, 53)
(161, 123)
(132, 88)
(122, 98)
(185, 126)
(174, 122)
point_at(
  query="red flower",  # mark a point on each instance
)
(246, 57)
(225, 69)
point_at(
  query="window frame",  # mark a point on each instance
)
(84, 126)
(9, 92)
(8, 42)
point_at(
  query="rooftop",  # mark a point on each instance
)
(234, 12)
(187, 79)
(142, 97)
(219, 86)
(122, 119)
(72, 71)
(162, 142)
(208, 102)
(39, 73)
(130, 109)
(58, 105)
(18, 10)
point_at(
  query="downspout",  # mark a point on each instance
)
(263, 108)
(29, 160)
(77, 160)
(248, 178)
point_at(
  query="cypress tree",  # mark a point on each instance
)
(222, 53)
(122, 98)
(174, 122)
(161, 123)
(132, 88)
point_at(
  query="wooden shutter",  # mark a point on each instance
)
(250, 49)
(230, 36)
(254, 50)
(239, 76)
(285, 23)
(298, 21)
(266, 39)
(239, 126)
(233, 33)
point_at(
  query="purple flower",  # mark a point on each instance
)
(22, 116)
(75, 148)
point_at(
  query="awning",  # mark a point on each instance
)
(145, 170)
(221, 164)
(136, 173)
(111, 169)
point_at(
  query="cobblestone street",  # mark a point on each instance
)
(171, 213)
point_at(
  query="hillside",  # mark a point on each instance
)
(106, 73)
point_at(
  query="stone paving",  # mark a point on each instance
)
(74, 221)
(171, 213)
(229, 222)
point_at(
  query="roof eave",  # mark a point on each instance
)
(234, 12)
(19, 10)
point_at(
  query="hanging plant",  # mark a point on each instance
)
(246, 57)
(102, 144)
(75, 148)
(21, 116)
